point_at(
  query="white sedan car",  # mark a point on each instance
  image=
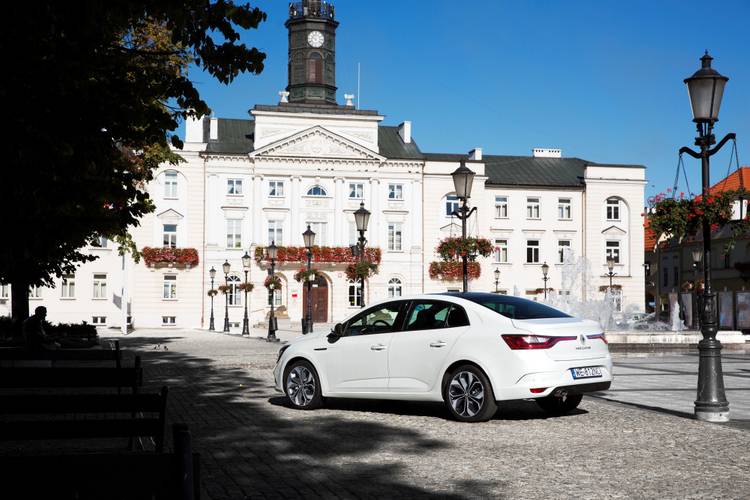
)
(469, 350)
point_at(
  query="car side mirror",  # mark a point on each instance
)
(336, 333)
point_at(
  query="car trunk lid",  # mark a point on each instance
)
(578, 333)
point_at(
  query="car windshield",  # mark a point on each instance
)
(516, 307)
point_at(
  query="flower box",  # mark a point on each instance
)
(171, 257)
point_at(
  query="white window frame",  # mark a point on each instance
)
(98, 320)
(276, 189)
(234, 234)
(501, 207)
(68, 287)
(317, 191)
(169, 238)
(613, 251)
(452, 204)
(355, 293)
(234, 187)
(396, 192)
(613, 209)
(501, 251)
(564, 209)
(562, 246)
(276, 231)
(320, 228)
(234, 294)
(535, 251)
(395, 237)
(168, 320)
(169, 290)
(533, 207)
(395, 288)
(356, 191)
(4, 291)
(35, 292)
(171, 191)
(99, 291)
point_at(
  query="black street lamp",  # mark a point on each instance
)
(611, 273)
(361, 219)
(497, 279)
(463, 179)
(246, 260)
(309, 237)
(705, 89)
(212, 274)
(545, 270)
(225, 267)
(271, 253)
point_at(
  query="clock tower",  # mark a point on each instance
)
(312, 52)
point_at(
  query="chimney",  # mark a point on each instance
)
(404, 130)
(214, 129)
(193, 129)
(349, 100)
(546, 153)
(475, 154)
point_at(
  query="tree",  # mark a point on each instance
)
(92, 92)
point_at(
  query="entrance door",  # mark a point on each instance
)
(319, 300)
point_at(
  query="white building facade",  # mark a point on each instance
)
(309, 161)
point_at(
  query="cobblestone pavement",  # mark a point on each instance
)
(253, 446)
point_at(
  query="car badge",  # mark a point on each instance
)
(582, 338)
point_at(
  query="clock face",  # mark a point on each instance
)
(315, 39)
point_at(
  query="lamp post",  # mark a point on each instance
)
(545, 270)
(309, 237)
(497, 279)
(226, 267)
(361, 219)
(212, 274)
(705, 89)
(463, 179)
(610, 274)
(246, 260)
(271, 252)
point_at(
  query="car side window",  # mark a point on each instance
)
(380, 319)
(457, 317)
(428, 315)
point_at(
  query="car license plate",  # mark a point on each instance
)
(588, 372)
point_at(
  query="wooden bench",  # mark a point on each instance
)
(15, 356)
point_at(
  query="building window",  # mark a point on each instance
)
(355, 294)
(665, 277)
(394, 237)
(613, 251)
(234, 233)
(234, 187)
(356, 190)
(353, 235)
(275, 297)
(532, 251)
(394, 287)
(563, 208)
(613, 209)
(317, 191)
(170, 287)
(532, 208)
(315, 68)
(234, 294)
(275, 232)
(501, 207)
(676, 275)
(101, 242)
(169, 320)
(170, 184)
(395, 191)
(563, 250)
(320, 230)
(501, 251)
(276, 189)
(100, 286)
(68, 288)
(99, 320)
(169, 238)
(35, 292)
(451, 204)
(4, 291)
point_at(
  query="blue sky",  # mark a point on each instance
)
(602, 80)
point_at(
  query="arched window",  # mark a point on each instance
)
(355, 293)
(394, 288)
(315, 68)
(235, 294)
(317, 191)
(613, 209)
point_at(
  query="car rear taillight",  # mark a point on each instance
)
(599, 336)
(533, 341)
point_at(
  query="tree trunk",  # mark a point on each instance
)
(19, 290)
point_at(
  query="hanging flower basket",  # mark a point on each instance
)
(223, 289)
(451, 271)
(246, 287)
(305, 275)
(361, 270)
(212, 293)
(272, 283)
(176, 256)
(452, 249)
(319, 254)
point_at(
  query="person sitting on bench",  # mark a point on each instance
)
(34, 335)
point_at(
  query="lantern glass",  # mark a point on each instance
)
(246, 260)
(362, 217)
(497, 274)
(309, 237)
(545, 269)
(226, 267)
(212, 272)
(463, 179)
(706, 89)
(697, 256)
(610, 264)
(272, 251)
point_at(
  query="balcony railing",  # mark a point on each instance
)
(311, 8)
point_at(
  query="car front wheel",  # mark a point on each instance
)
(468, 395)
(302, 386)
(559, 404)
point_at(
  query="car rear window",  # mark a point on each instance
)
(517, 308)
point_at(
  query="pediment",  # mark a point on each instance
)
(317, 142)
(170, 214)
(614, 231)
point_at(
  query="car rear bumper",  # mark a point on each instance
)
(584, 388)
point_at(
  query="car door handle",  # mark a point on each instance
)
(439, 343)
(378, 347)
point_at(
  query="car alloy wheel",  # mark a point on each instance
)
(302, 386)
(469, 396)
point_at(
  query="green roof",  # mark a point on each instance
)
(393, 147)
(235, 136)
